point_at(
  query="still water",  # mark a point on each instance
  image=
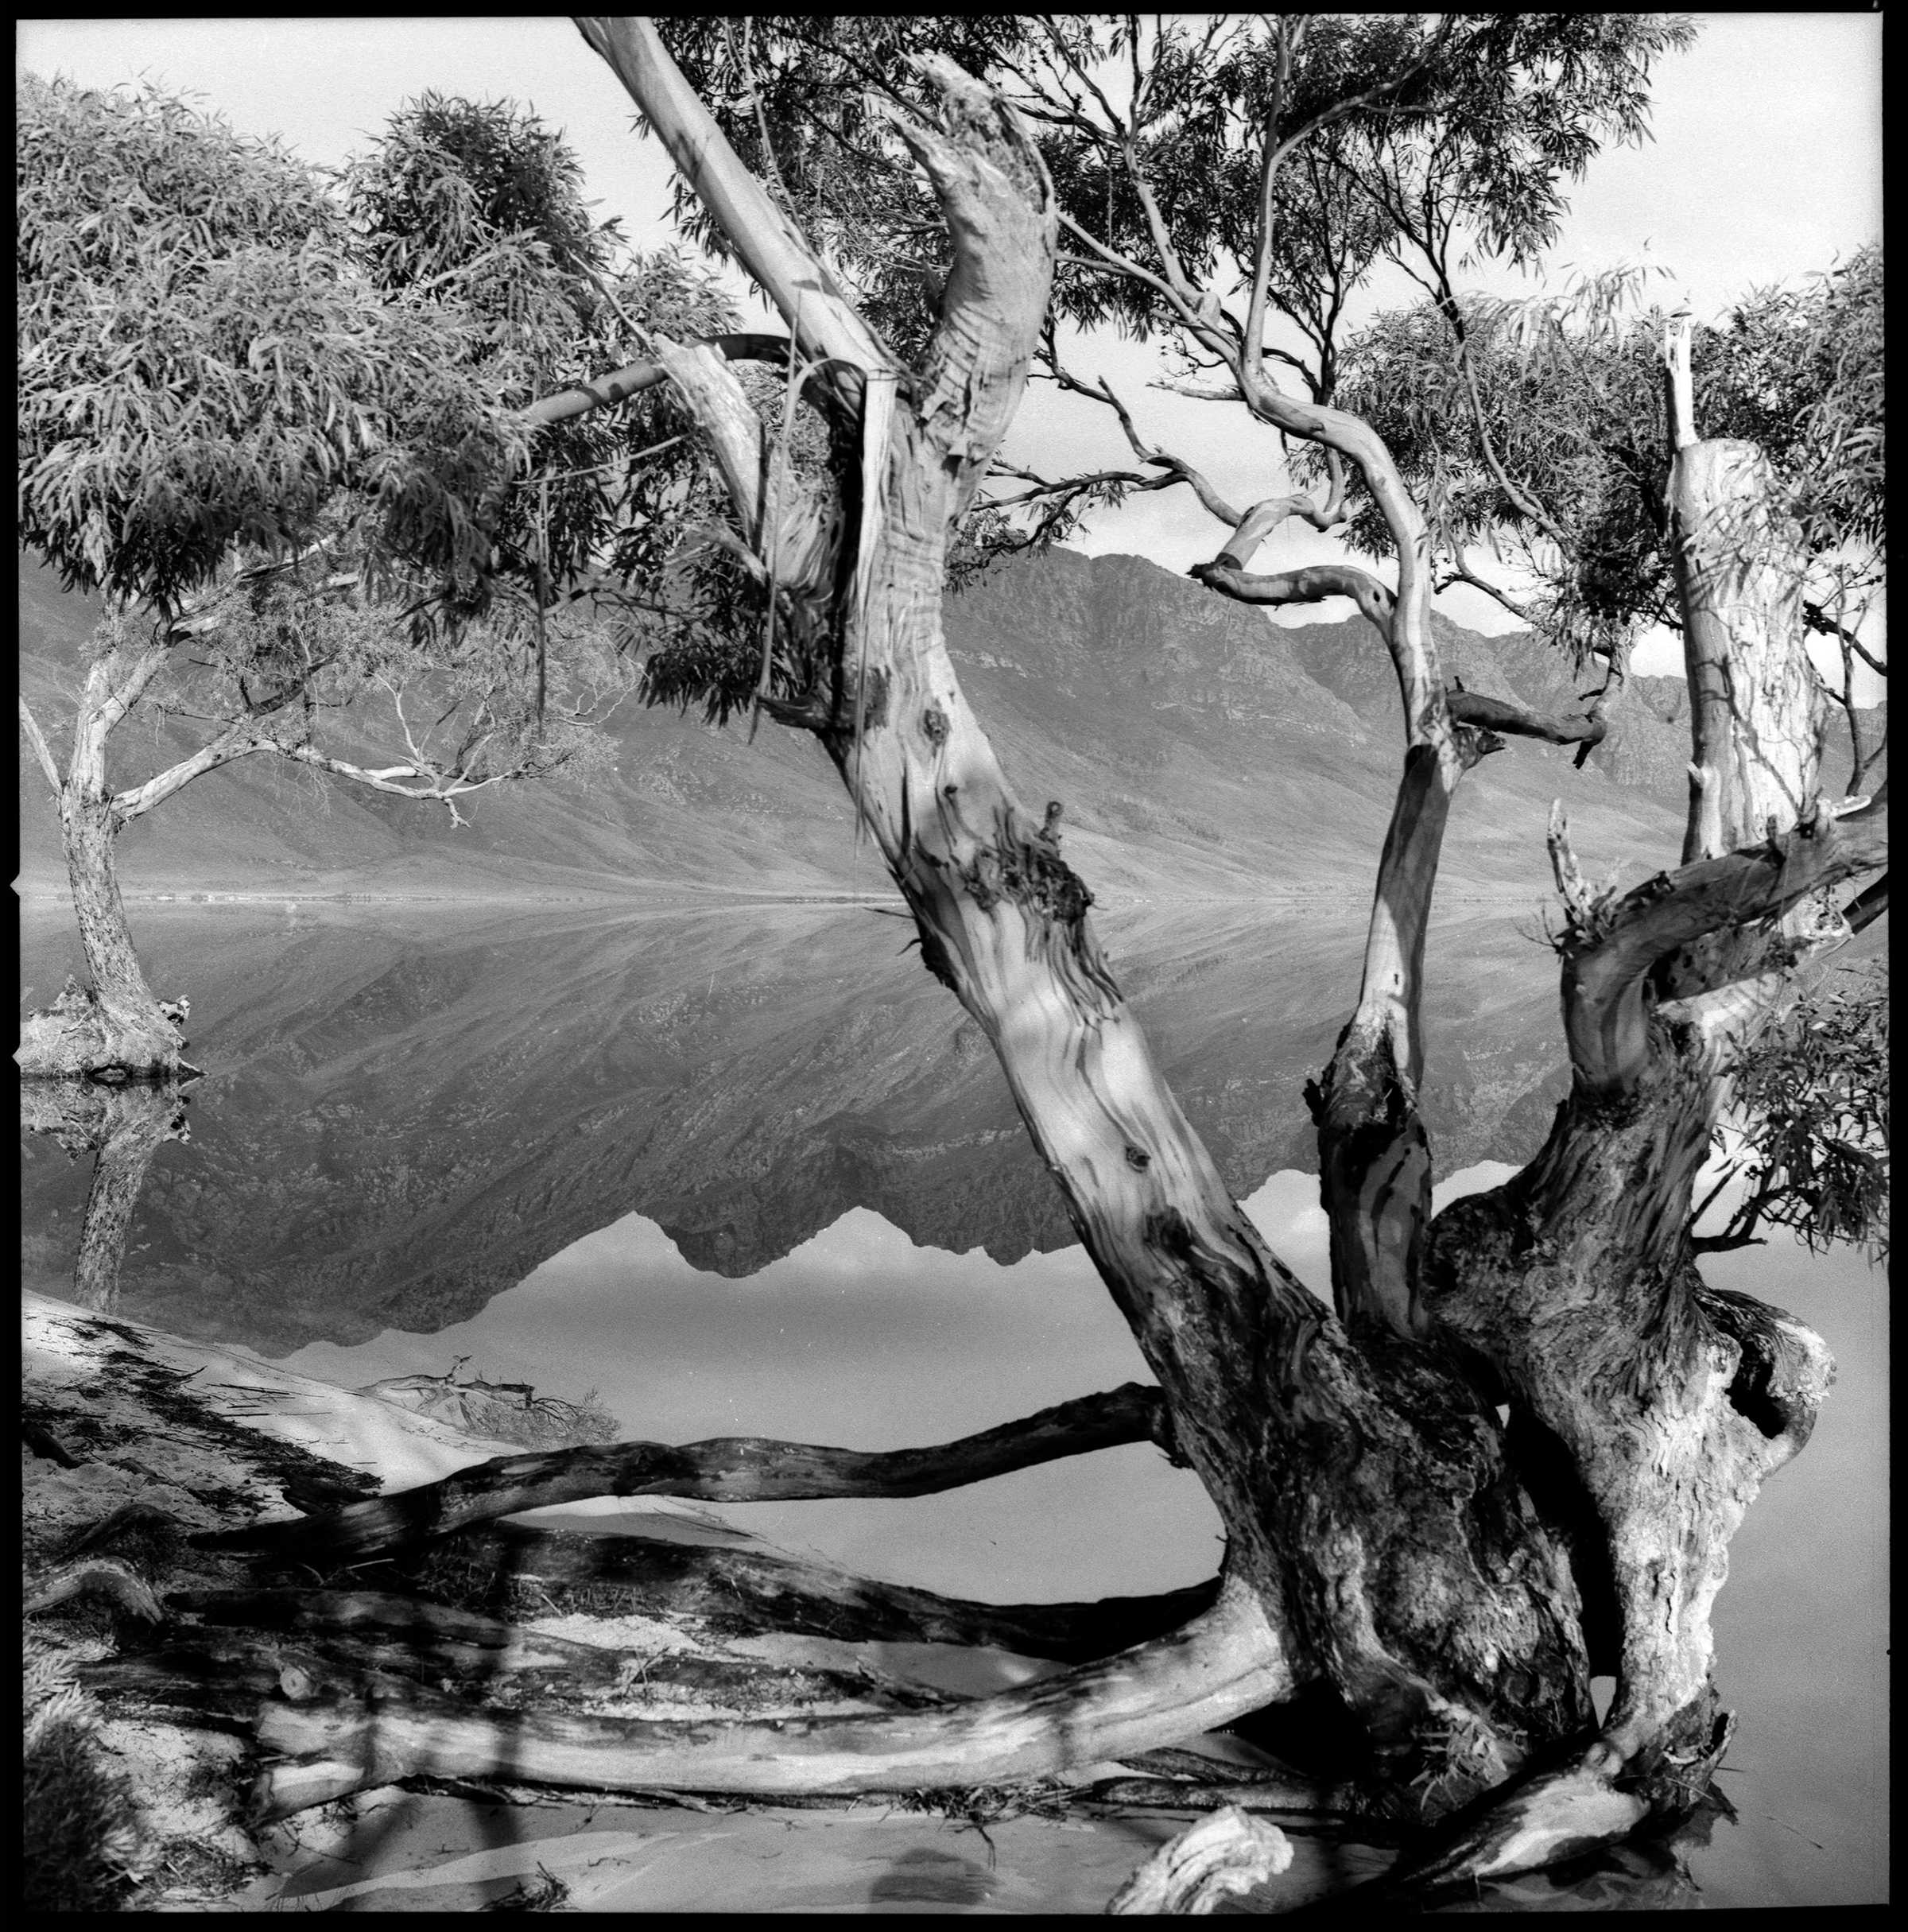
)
(747, 1170)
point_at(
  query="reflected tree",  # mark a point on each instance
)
(122, 1125)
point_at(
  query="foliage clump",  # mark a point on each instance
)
(1814, 1098)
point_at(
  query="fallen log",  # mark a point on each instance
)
(222, 1674)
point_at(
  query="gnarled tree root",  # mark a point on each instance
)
(726, 1469)
(1228, 1662)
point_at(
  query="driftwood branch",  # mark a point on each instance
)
(726, 1469)
(96, 1576)
(223, 1673)
(376, 1630)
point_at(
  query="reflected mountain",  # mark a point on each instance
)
(403, 1114)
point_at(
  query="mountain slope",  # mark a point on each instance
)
(1198, 750)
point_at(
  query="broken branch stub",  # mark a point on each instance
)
(1225, 1855)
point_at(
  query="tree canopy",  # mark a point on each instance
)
(1558, 464)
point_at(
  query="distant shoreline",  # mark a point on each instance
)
(647, 894)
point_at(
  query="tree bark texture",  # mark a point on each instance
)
(1574, 1282)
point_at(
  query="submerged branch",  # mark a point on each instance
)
(725, 1469)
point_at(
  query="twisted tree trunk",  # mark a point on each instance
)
(1451, 1579)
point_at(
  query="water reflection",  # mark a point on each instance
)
(122, 1126)
(749, 1170)
(402, 1116)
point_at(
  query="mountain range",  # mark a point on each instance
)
(1199, 750)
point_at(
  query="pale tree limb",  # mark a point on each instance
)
(606, 392)
(726, 1469)
(1311, 583)
(1459, 572)
(1227, 1662)
(434, 788)
(237, 740)
(38, 743)
(766, 239)
(1489, 714)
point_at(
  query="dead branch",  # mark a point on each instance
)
(725, 1469)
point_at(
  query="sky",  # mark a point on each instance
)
(1765, 166)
